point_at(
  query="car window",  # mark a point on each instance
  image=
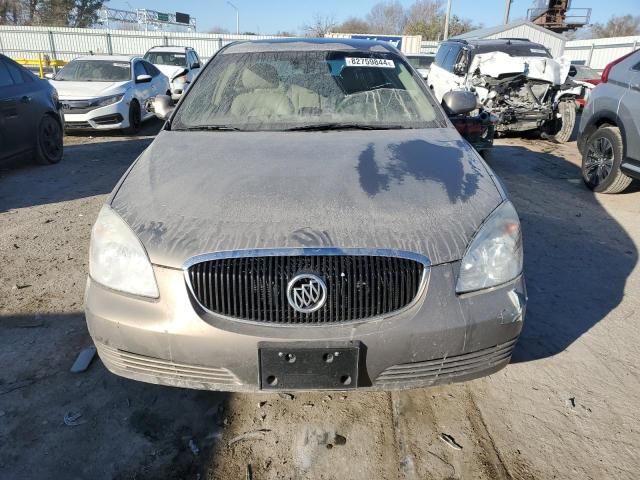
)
(283, 90)
(195, 55)
(451, 58)
(442, 54)
(636, 66)
(419, 61)
(95, 71)
(5, 77)
(16, 74)
(151, 70)
(138, 69)
(176, 59)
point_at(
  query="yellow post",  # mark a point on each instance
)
(40, 65)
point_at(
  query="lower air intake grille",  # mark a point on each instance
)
(255, 288)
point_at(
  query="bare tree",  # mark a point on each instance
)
(617, 26)
(10, 11)
(425, 18)
(65, 13)
(387, 17)
(354, 25)
(320, 26)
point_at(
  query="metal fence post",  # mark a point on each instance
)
(593, 46)
(109, 44)
(52, 46)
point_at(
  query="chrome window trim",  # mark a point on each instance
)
(305, 251)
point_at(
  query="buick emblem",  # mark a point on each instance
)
(306, 293)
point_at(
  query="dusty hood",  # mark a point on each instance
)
(190, 193)
(170, 70)
(495, 64)
(84, 90)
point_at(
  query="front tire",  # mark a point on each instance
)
(601, 161)
(560, 129)
(50, 143)
(135, 118)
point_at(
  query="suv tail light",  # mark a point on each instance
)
(607, 69)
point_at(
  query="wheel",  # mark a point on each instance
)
(49, 148)
(601, 161)
(135, 118)
(560, 129)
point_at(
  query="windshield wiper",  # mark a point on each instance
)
(344, 126)
(210, 128)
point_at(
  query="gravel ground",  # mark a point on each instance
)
(566, 407)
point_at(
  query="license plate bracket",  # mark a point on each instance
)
(291, 367)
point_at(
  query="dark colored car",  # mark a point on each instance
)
(30, 119)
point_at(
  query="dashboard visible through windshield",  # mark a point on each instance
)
(294, 90)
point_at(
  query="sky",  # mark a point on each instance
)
(267, 17)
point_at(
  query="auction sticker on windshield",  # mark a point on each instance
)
(369, 62)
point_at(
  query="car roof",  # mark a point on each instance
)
(518, 46)
(168, 48)
(311, 44)
(113, 58)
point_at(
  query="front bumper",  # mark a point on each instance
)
(110, 117)
(441, 338)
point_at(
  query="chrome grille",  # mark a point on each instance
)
(255, 287)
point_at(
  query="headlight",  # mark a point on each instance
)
(180, 80)
(117, 259)
(102, 102)
(494, 256)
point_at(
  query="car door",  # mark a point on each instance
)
(626, 77)
(143, 90)
(437, 79)
(444, 79)
(632, 103)
(194, 65)
(19, 112)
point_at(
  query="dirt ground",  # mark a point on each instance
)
(566, 407)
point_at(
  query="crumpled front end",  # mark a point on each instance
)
(522, 92)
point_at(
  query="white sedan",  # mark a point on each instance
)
(108, 92)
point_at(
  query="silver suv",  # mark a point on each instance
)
(609, 137)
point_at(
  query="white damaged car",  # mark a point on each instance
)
(107, 92)
(180, 64)
(516, 80)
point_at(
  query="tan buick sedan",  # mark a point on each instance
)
(307, 218)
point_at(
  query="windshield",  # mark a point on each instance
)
(294, 90)
(167, 58)
(95, 71)
(586, 73)
(420, 61)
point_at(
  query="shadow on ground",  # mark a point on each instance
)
(577, 257)
(126, 430)
(88, 168)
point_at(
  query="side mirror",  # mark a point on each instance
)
(459, 102)
(48, 76)
(195, 65)
(143, 78)
(160, 106)
(458, 69)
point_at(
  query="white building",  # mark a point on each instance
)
(521, 29)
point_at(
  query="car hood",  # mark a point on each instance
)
(190, 193)
(82, 90)
(170, 70)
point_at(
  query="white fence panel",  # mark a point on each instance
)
(68, 43)
(597, 53)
